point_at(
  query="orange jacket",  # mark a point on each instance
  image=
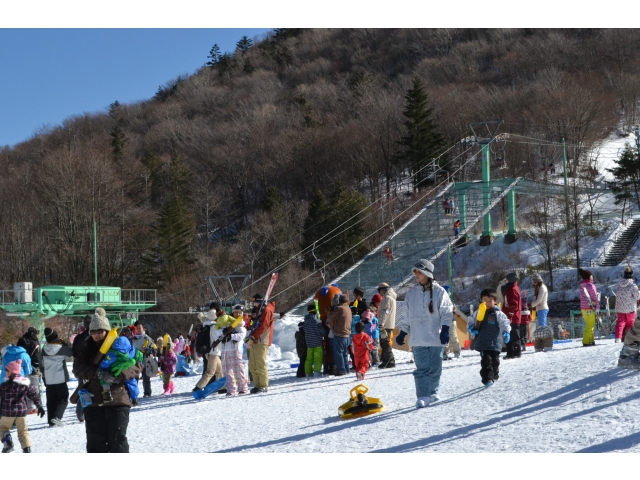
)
(264, 333)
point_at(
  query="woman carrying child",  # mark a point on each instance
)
(105, 424)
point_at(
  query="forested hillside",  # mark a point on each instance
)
(240, 166)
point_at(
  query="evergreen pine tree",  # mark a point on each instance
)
(174, 231)
(244, 44)
(214, 56)
(316, 223)
(626, 186)
(422, 143)
(118, 141)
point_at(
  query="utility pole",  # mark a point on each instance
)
(450, 268)
(566, 184)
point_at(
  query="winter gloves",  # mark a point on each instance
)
(400, 337)
(41, 411)
(472, 330)
(106, 376)
(506, 336)
(444, 335)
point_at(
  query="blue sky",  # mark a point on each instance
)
(48, 75)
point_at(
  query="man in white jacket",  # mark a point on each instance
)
(427, 316)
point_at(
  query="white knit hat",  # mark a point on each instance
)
(99, 321)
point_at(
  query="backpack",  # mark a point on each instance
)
(203, 340)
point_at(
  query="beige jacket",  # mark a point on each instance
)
(540, 303)
(387, 310)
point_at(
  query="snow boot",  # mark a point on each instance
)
(618, 340)
(488, 384)
(56, 422)
(456, 356)
(7, 441)
(26, 450)
(172, 387)
(165, 389)
(423, 402)
(317, 374)
(434, 399)
(359, 376)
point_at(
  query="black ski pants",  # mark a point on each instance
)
(106, 429)
(514, 348)
(386, 358)
(57, 400)
(146, 383)
(524, 337)
(300, 372)
(489, 366)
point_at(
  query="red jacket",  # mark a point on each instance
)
(511, 307)
(264, 333)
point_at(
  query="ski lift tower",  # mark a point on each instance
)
(489, 131)
(230, 301)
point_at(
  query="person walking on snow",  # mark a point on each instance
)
(259, 342)
(144, 343)
(169, 361)
(627, 296)
(105, 424)
(489, 334)
(362, 345)
(427, 314)
(55, 356)
(211, 356)
(588, 297)
(13, 397)
(387, 319)
(232, 341)
(313, 332)
(539, 303)
(512, 309)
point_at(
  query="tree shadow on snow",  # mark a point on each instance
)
(340, 425)
(557, 398)
(623, 443)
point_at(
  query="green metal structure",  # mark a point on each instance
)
(37, 305)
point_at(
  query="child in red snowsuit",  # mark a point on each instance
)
(362, 344)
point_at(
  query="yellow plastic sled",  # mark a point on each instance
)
(359, 405)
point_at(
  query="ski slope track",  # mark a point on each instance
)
(573, 399)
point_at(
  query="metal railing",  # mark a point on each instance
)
(139, 296)
(7, 297)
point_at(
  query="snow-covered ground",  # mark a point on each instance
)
(573, 399)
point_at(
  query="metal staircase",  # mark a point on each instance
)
(622, 244)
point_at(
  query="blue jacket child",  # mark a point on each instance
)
(123, 355)
(13, 353)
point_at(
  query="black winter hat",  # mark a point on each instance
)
(50, 335)
(311, 307)
(628, 273)
(257, 297)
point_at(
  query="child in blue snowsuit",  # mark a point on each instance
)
(123, 355)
